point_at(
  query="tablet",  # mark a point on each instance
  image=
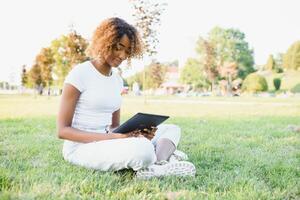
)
(140, 121)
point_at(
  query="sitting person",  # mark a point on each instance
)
(90, 110)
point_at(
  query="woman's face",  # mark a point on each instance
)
(120, 52)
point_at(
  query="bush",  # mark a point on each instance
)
(277, 83)
(255, 83)
(296, 88)
(278, 70)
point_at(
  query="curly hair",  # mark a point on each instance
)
(108, 34)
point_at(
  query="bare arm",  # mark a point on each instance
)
(69, 99)
(115, 120)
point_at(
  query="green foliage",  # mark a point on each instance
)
(255, 83)
(58, 59)
(155, 75)
(270, 64)
(208, 58)
(40, 73)
(277, 83)
(291, 59)
(45, 61)
(296, 88)
(147, 17)
(230, 46)
(35, 76)
(138, 77)
(278, 63)
(192, 74)
(4, 85)
(68, 50)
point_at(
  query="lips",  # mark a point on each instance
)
(118, 60)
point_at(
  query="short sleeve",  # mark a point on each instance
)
(75, 78)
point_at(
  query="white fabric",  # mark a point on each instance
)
(100, 97)
(116, 154)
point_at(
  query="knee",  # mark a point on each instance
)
(174, 129)
(144, 152)
(171, 132)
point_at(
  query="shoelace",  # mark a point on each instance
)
(161, 162)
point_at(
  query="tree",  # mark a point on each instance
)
(291, 59)
(147, 17)
(229, 71)
(192, 74)
(208, 56)
(270, 63)
(35, 77)
(138, 77)
(24, 76)
(67, 51)
(278, 63)
(230, 46)
(45, 61)
(155, 76)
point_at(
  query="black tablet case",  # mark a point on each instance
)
(140, 121)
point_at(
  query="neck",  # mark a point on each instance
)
(103, 67)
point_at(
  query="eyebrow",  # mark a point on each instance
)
(121, 44)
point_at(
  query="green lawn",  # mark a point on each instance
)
(240, 146)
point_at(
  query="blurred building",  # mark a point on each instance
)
(171, 84)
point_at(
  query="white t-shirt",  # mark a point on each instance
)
(100, 97)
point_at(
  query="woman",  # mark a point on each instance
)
(90, 110)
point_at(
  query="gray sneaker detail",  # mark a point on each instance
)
(180, 155)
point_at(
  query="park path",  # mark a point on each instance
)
(215, 102)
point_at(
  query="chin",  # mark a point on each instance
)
(116, 64)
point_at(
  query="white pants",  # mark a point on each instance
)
(117, 154)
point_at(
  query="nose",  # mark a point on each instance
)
(123, 55)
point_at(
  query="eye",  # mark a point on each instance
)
(118, 47)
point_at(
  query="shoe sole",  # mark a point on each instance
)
(181, 169)
(145, 174)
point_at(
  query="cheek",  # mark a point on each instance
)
(109, 58)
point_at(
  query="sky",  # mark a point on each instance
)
(270, 26)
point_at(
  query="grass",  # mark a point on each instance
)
(240, 146)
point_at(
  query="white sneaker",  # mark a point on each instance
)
(178, 156)
(164, 168)
(293, 128)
